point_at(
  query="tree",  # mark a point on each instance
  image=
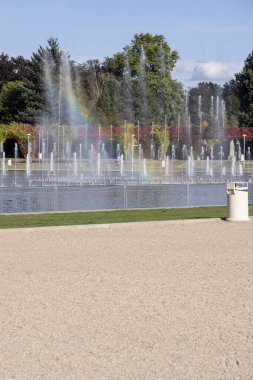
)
(16, 96)
(13, 102)
(160, 137)
(144, 69)
(128, 139)
(245, 92)
(92, 82)
(18, 133)
(13, 69)
(109, 105)
(44, 61)
(6, 69)
(231, 97)
(209, 92)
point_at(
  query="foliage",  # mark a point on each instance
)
(39, 106)
(128, 139)
(245, 92)
(144, 69)
(160, 136)
(13, 102)
(18, 132)
(135, 85)
(231, 97)
(109, 105)
(15, 98)
(13, 69)
(92, 81)
(206, 90)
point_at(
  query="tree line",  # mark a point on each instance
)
(135, 85)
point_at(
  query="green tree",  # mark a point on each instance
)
(6, 69)
(48, 58)
(207, 90)
(231, 97)
(13, 69)
(92, 84)
(128, 139)
(160, 137)
(149, 62)
(109, 109)
(13, 102)
(245, 92)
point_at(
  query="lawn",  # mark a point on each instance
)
(115, 216)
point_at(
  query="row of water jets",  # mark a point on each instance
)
(98, 166)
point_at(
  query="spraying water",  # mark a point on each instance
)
(52, 162)
(28, 165)
(200, 113)
(3, 163)
(98, 165)
(144, 168)
(142, 85)
(127, 86)
(75, 165)
(121, 165)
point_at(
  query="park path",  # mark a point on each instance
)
(157, 300)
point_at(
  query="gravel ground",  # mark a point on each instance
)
(158, 300)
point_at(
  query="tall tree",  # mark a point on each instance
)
(245, 92)
(45, 58)
(6, 69)
(149, 62)
(13, 69)
(12, 102)
(231, 97)
(109, 105)
(92, 80)
(208, 91)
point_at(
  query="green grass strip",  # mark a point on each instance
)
(115, 216)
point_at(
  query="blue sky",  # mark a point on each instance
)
(213, 38)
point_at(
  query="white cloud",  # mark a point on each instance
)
(194, 72)
(213, 70)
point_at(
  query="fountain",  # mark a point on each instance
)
(212, 108)
(75, 165)
(233, 166)
(222, 169)
(144, 168)
(98, 165)
(28, 165)
(3, 163)
(51, 163)
(231, 149)
(200, 113)
(248, 154)
(121, 166)
(190, 167)
(207, 166)
(142, 85)
(71, 153)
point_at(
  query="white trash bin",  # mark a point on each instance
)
(237, 200)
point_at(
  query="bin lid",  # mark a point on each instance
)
(237, 185)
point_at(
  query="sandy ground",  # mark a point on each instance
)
(164, 300)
